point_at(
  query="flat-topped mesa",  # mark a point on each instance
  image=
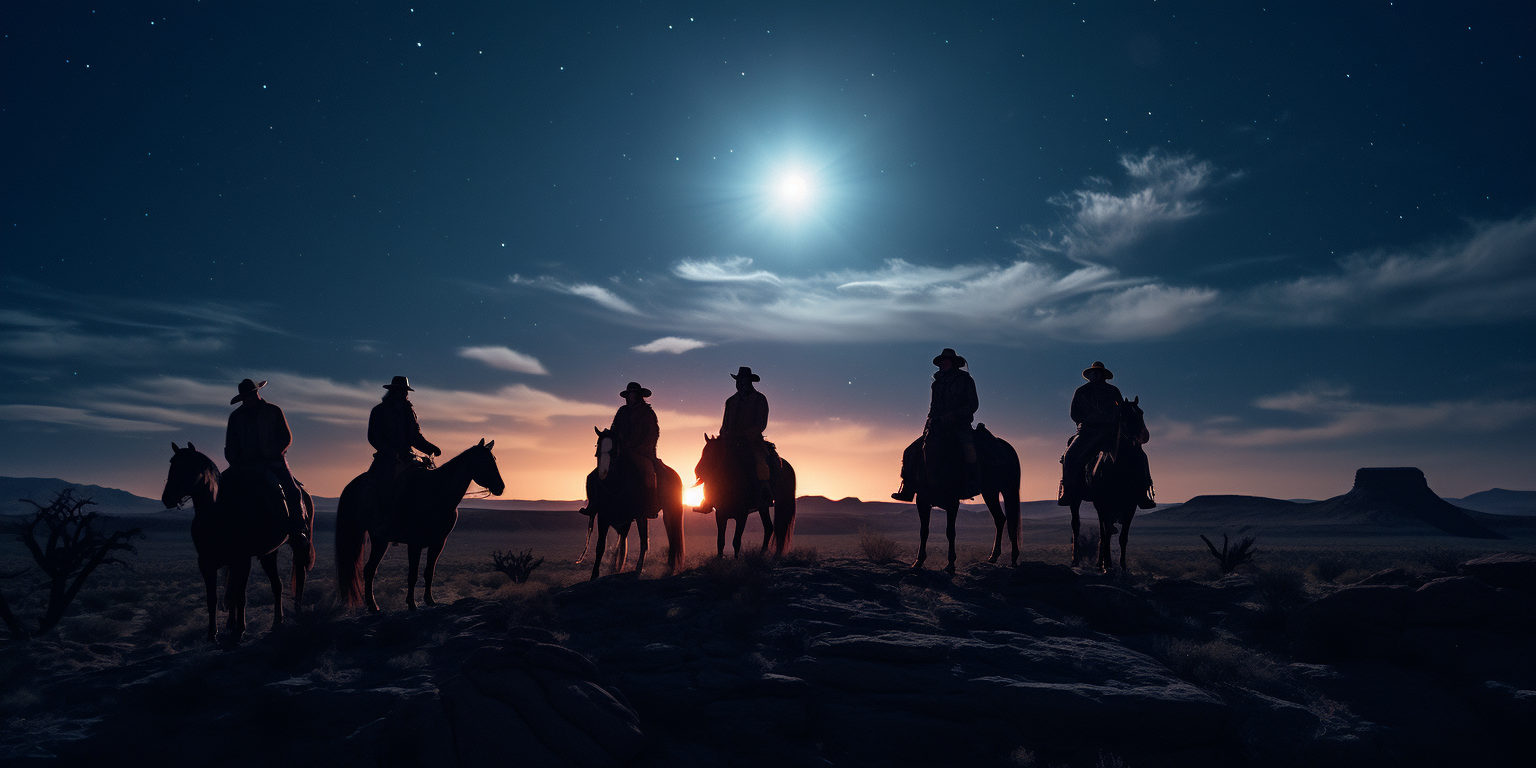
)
(1401, 495)
(1392, 479)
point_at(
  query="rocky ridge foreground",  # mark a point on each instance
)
(836, 663)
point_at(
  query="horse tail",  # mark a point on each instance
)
(1012, 476)
(784, 509)
(350, 533)
(591, 523)
(670, 489)
(305, 560)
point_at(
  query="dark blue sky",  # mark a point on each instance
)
(1305, 234)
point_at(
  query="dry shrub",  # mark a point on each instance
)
(1222, 664)
(877, 547)
(1444, 560)
(801, 557)
(1328, 568)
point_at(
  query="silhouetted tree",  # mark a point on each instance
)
(63, 539)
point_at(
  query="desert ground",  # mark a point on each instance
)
(1332, 647)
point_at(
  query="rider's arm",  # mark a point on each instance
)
(283, 435)
(760, 422)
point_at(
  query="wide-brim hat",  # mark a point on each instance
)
(746, 373)
(634, 386)
(1098, 366)
(247, 388)
(955, 360)
(399, 382)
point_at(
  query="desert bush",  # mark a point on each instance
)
(1088, 542)
(1221, 663)
(1230, 558)
(877, 547)
(1444, 559)
(518, 566)
(1329, 568)
(801, 557)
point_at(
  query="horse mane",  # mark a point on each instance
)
(460, 457)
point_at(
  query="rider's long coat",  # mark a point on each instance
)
(257, 434)
(393, 429)
(953, 403)
(636, 425)
(1096, 403)
(746, 414)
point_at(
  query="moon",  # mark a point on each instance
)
(794, 190)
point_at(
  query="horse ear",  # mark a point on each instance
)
(190, 446)
(482, 442)
(490, 445)
(597, 432)
(1136, 400)
(174, 449)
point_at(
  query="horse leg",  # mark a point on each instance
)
(299, 572)
(602, 543)
(741, 527)
(642, 529)
(999, 520)
(621, 551)
(413, 558)
(767, 526)
(1076, 531)
(234, 597)
(211, 584)
(269, 564)
(720, 520)
(433, 552)
(1106, 527)
(1125, 534)
(376, 551)
(949, 530)
(923, 513)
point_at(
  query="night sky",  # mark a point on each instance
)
(1303, 234)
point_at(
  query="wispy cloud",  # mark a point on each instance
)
(505, 359)
(1487, 276)
(1102, 225)
(674, 344)
(596, 293)
(1337, 416)
(77, 417)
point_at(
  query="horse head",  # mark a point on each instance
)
(191, 473)
(607, 452)
(708, 458)
(484, 471)
(1133, 421)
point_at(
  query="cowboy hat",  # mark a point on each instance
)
(247, 388)
(954, 359)
(746, 372)
(634, 386)
(399, 382)
(1097, 366)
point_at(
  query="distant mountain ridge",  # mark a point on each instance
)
(1499, 501)
(1382, 497)
(43, 490)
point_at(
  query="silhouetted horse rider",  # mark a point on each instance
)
(256, 442)
(745, 419)
(636, 426)
(1096, 410)
(951, 407)
(393, 431)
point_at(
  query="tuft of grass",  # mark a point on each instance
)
(877, 547)
(1328, 568)
(1229, 558)
(801, 557)
(1222, 663)
(1444, 560)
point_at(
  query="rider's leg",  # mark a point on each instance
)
(967, 441)
(911, 459)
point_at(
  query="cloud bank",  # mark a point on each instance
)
(673, 344)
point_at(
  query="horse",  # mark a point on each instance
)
(940, 486)
(1117, 481)
(732, 490)
(617, 497)
(427, 500)
(234, 521)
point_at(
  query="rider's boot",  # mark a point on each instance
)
(905, 492)
(1146, 501)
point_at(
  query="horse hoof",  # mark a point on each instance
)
(950, 569)
(992, 559)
